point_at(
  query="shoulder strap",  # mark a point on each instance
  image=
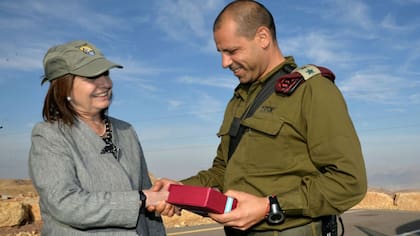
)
(236, 129)
(308, 71)
(290, 79)
(267, 90)
(287, 84)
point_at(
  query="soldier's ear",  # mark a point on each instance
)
(263, 36)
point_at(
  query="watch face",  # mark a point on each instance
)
(276, 218)
(276, 215)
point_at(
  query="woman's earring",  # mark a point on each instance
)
(68, 98)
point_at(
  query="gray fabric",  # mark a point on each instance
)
(83, 192)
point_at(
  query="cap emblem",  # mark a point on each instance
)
(87, 50)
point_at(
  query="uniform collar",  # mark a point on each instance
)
(242, 89)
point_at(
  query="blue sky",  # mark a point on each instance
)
(173, 89)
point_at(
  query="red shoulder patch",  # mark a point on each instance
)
(327, 73)
(287, 84)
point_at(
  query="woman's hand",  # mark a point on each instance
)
(157, 196)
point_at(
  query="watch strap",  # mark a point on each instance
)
(275, 214)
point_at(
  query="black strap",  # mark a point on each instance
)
(342, 225)
(330, 225)
(236, 129)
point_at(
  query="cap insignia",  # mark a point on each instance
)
(87, 50)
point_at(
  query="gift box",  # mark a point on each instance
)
(200, 200)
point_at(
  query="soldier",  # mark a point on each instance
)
(298, 159)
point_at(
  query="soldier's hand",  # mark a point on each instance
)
(249, 211)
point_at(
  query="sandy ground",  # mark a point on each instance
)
(16, 189)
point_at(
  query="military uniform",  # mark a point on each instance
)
(302, 148)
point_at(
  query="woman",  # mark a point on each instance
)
(87, 167)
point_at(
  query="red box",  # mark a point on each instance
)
(200, 200)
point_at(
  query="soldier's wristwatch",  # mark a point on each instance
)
(275, 215)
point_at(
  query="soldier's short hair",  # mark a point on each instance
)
(249, 16)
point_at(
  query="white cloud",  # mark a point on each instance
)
(30, 30)
(209, 46)
(24, 57)
(380, 88)
(208, 108)
(319, 48)
(389, 22)
(411, 59)
(407, 2)
(221, 82)
(174, 104)
(137, 73)
(353, 13)
(42, 15)
(186, 20)
(199, 104)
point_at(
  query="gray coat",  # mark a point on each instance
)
(83, 192)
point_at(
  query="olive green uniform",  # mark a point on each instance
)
(302, 148)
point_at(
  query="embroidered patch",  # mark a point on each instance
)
(267, 109)
(87, 50)
(287, 84)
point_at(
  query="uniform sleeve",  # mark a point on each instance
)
(54, 175)
(334, 149)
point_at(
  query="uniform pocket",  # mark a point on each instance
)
(262, 147)
(264, 125)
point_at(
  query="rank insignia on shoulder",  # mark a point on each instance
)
(287, 84)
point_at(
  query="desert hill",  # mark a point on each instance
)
(19, 210)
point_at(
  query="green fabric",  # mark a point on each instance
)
(304, 150)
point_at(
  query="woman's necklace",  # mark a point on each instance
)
(107, 137)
